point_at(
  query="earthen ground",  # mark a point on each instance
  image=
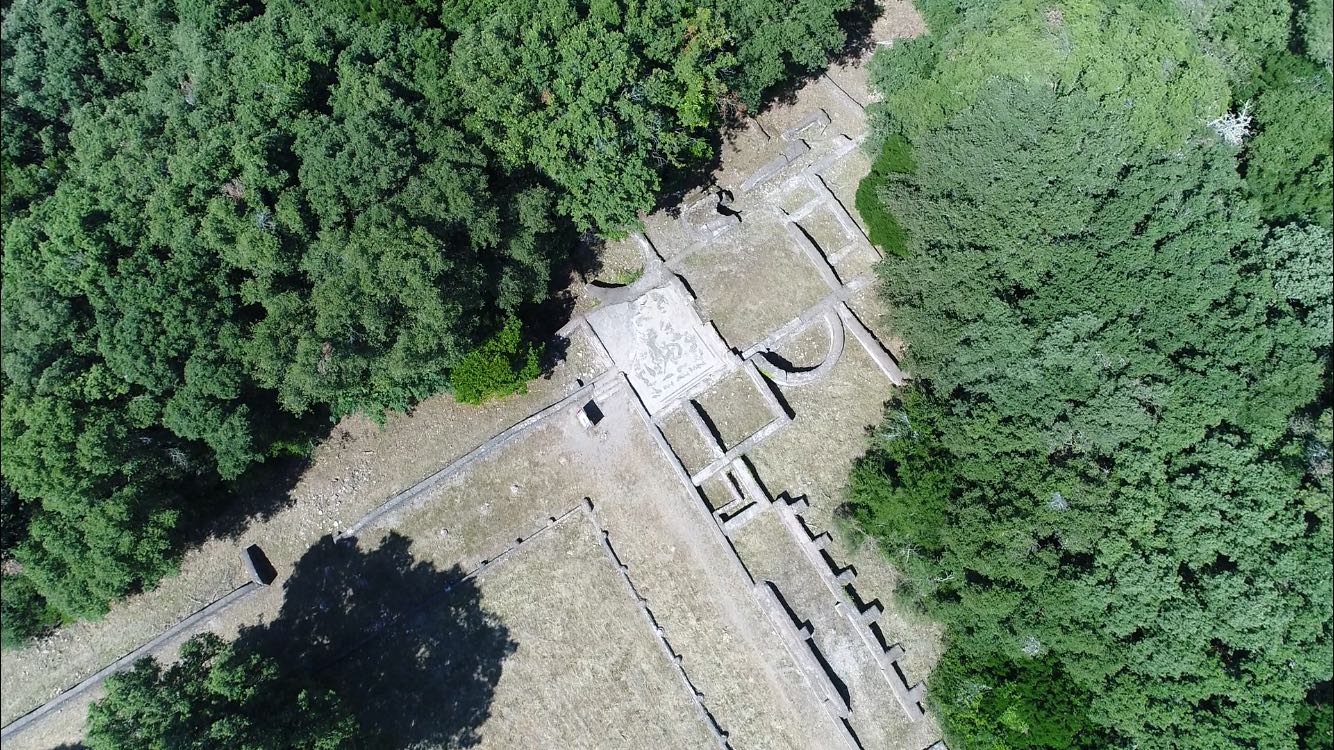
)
(806, 348)
(736, 407)
(752, 280)
(870, 310)
(730, 649)
(585, 670)
(618, 262)
(359, 467)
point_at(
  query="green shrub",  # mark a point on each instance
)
(501, 366)
(882, 228)
(24, 614)
(1289, 168)
(998, 703)
(1315, 722)
(217, 695)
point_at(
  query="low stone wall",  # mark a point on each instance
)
(782, 375)
(719, 734)
(239, 594)
(864, 616)
(794, 151)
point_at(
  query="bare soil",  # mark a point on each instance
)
(870, 310)
(824, 228)
(794, 195)
(736, 408)
(752, 280)
(806, 348)
(686, 441)
(716, 492)
(585, 670)
(619, 262)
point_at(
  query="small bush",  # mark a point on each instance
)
(882, 228)
(501, 366)
(24, 614)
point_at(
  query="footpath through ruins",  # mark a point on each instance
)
(675, 484)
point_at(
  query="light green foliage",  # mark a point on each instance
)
(1240, 33)
(501, 366)
(1138, 59)
(1316, 21)
(881, 227)
(1108, 480)
(216, 696)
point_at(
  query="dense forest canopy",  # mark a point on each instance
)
(224, 222)
(218, 694)
(1111, 478)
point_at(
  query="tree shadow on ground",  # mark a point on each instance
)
(226, 509)
(856, 21)
(408, 647)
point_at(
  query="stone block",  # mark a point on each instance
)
(871, 613)
(257, 565)
(590, 414)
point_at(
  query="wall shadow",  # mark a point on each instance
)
(407, 646)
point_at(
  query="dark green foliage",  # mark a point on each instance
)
(216, 696)
(882, 228)
(596, 97)
(14, 515)
(24, 613)
(222, 221)
(405, 12)
(1023, 704)
(49, 67)
(1299, 259)
(501, 366)
(1111, 478)
(1289, 168)
(773, 40)
(1315, 721)
(1241, 33)
(602, 98)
